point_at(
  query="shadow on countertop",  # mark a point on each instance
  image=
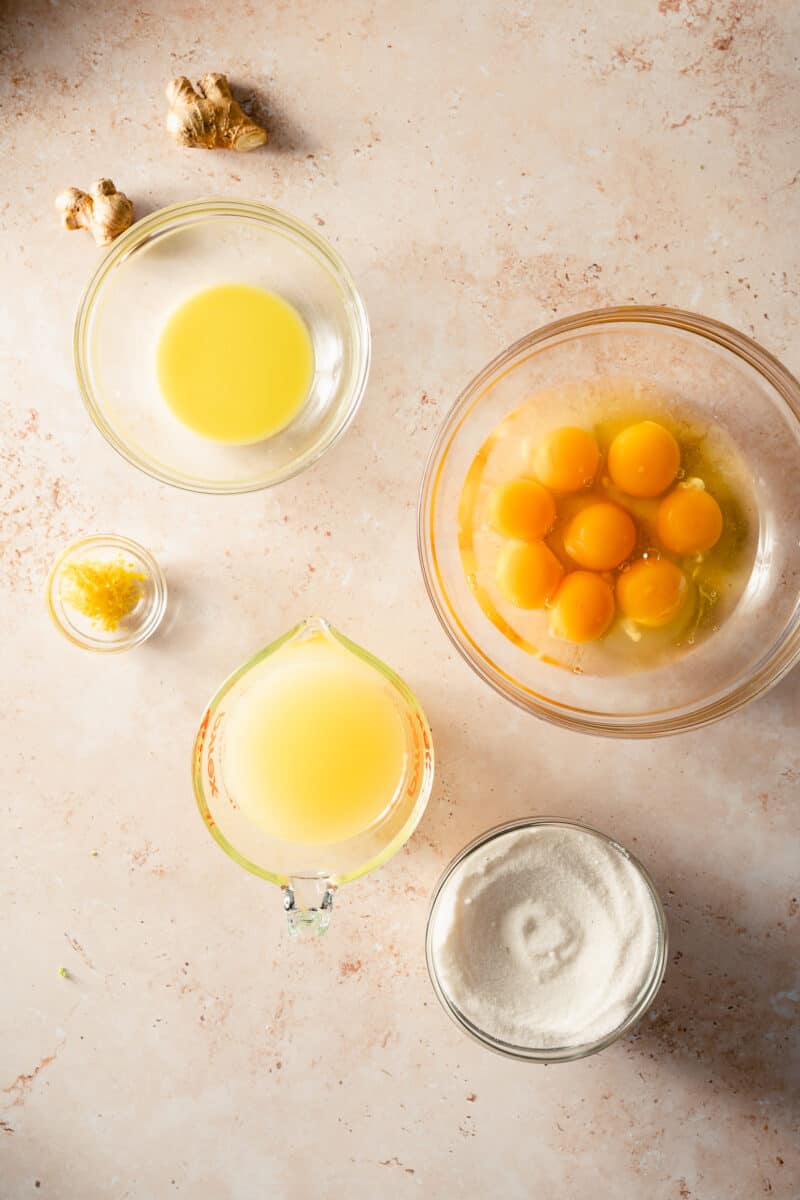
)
(286, 135)
(730, 1002)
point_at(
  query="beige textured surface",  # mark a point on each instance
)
(482, 167)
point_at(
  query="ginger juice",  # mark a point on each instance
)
(235, 363)
(315, 750)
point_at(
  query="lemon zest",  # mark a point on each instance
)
(105, 592)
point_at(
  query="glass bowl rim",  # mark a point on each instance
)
(173, 215)
(426, 778)
(770, 669)
(128, 546)
(553, 1054)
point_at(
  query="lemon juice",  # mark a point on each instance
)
(315, 750)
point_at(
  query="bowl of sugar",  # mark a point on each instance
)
(546, 940)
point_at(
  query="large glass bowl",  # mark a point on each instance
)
(157, 265)
(722, 379)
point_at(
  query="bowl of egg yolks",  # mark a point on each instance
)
(608, 522)
(221, 346)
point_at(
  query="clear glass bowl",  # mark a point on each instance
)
(720, 378)
(644, 999)
(134, 629)
(159, 263)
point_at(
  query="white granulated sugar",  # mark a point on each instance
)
(545, 937)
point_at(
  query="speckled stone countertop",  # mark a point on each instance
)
(483, 168)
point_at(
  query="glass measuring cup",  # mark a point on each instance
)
(308, 871)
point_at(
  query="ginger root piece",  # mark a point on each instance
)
(210, 117)
(103, 210)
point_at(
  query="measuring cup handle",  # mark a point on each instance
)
(308, 904)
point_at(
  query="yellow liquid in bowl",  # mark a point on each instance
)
(235, 363)
(315, 751)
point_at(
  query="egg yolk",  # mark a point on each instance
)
(566, 460)
(689, 521)
(600, 536)
(643, 460)
(521, 509)
(528, 573)
(583, 608)
(652, 591)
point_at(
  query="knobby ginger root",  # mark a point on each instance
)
(210, 117)
(102, 210)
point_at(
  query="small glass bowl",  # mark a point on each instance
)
(552, 1054)
(719, 378)
(133, 629)
(159, 263)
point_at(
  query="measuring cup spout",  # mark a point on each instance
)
(308, 903)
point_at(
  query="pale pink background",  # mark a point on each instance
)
(482, 168)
